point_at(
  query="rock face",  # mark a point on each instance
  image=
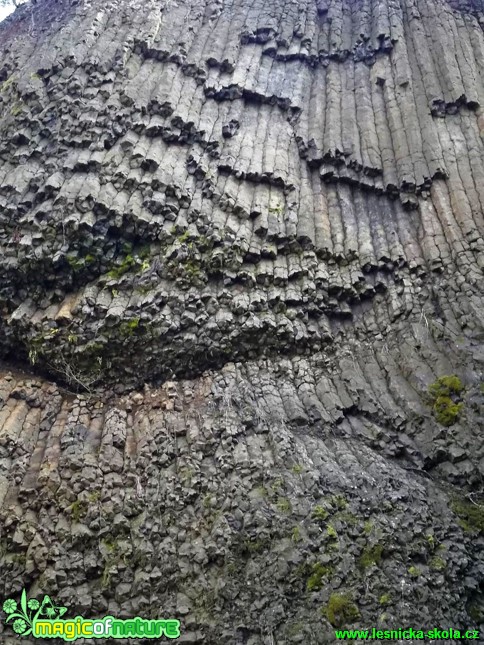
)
(241, 313)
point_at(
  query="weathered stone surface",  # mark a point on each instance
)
(238, 242)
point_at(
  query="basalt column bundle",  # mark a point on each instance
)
(242, 314)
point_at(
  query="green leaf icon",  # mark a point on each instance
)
(23, 602)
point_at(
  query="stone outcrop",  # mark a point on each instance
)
(239, 241)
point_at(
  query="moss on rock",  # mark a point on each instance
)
(319, 572)
(341, 609)
(471, 515)
(370, 556)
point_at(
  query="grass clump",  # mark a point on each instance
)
(341, 609)
(446, 411)
(443, 394)
(446, 386)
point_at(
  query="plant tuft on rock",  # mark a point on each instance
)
(319, 571)
(341, 609)
(443, 393)
(370, 556)
(471, 515)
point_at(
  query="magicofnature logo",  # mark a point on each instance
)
(43, 620)
(24, 617)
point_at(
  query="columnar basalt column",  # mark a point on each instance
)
(241, 313)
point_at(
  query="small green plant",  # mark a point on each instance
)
(414, 571)
(192, 269)
(437, 563)
(341, 609)
(471, 515)
(128, 327)
(277, 209)
(331, 532)
(17, 108)
(371, 556)
(347, 518)
(320, 514)
(75, 262)
(339, 502)
(442, 395)
(7, 83)
(297, 469)
(431, 543)
(106, 576)
(315, 581)
(254, 546)
(126, 265)
(110, 545)
(446, 386)
(446, 411)
(385, 599)
(283, 505)
(296, 534)
(277, 485)
(78, 510)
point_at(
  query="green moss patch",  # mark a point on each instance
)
(471, 516)
(437, 563)
(370, 556)
(316, 579)
(341, 609)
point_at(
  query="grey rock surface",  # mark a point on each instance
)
(239, 242)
